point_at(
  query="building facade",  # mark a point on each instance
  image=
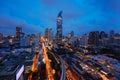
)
(18, 32)
(59, 28)
(94, 38)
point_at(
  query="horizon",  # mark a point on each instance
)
(78, 16)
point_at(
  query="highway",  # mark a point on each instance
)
(50, 76)
(55, 58)
(71, 65)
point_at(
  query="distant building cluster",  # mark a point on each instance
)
(103, 39)
(20, 40)
(49, 34)
(94, 38)
(14, 50)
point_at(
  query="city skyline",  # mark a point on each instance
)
(78, 16)
(59, 40)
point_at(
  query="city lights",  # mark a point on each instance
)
(59, 40)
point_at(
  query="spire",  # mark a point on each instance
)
(60, 14)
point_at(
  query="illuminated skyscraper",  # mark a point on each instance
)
(59, 28)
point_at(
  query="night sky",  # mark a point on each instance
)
(81, 16)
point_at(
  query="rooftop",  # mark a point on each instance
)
(9, 66)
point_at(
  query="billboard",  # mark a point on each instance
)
(20, 72)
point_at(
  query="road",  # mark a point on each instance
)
(73, 65)
(50, 75)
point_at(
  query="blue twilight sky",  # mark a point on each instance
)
(80, 16)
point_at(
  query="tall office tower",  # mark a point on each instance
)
(72, 33)
(51, 35)
(111, 37)
(18, 32)
(59, 28)
(112, 33)
(1, 36)
(84, 40)
(103, 39)
(102, 35)
(94, 38)
(46, 33)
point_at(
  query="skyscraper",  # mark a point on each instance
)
(49, 34)
(1, 37)
(94, 38)
(46, 33)
(84, 40)
(18, 32)
(59, 28)
(103, 38)
(102, 35)
(72, 33)
(111, 37)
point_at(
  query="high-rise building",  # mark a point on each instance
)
(84, 40)
(1, 38)
(102, 35)
(117, 39)
(94, 38)
(49, 34)
(46, 33)
(112, 33)
(25, 41)
(111, 37)
(32, 36)
(103, 39)
(18, 32)
(59, 28)
(72, 33)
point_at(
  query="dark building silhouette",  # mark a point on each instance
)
(18, 32)
(102, 35)
(49, 34)
(94, 38)
(59, 28)
(19, 35)
(46, 33)
(1, 36)
(72, 33)
(111, 37)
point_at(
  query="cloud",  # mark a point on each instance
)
(72, 15)
(78, 15)
(115, 5)
(9, 24)
(49, 2)
(6, 21)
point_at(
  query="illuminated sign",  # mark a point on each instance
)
(20, 72)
